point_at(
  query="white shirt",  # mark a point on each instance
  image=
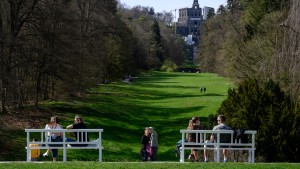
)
(52, 134)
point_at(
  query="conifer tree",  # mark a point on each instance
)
(157, 40)
(269, 111)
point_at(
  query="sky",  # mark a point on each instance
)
(171, 5)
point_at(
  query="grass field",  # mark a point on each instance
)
(165, 101)
(140, 165)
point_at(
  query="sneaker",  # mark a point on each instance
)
(45, 154)
(225, 161)
(191, 157)
(206, 161)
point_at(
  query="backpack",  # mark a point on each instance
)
(177, 147)
(240, 134)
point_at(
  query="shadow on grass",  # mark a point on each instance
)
(124, 121)
(124, 110)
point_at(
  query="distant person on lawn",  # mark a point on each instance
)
(78, 124)
(154, 143)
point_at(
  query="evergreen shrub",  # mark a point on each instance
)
(267, 109)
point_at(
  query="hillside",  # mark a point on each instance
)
(165, 101)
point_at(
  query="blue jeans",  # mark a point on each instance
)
(55, 151)
(143, 153)
(70, 140)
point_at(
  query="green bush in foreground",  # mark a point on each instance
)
(269, 111)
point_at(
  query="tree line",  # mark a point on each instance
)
(256, 43)
(254, 39)
(55, 49)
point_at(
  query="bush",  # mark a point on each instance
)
(211, 122)
(169, 66)
(269, 111)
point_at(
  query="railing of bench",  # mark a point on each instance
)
(234, 144)
(96, 144)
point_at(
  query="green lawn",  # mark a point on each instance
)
(165, 101)
(140, 165)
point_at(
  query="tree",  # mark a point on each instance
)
(55, 49)
(211, 13)
(151, 11)
(157, 41)
(14, 14)
(286, 63)
(221, 10)
(269, 111)
(167, 18)
(256, 10)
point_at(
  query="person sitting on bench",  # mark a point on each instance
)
(221, 126)
(78, 124)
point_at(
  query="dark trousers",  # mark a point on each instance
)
(55, 151)
(143, 153)
(154, 154)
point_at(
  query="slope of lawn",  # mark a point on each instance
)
(165, 101)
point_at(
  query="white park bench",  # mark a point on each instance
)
(230, 144)
(41, 135)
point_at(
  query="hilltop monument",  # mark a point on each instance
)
(188, 24)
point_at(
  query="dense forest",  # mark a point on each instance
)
(52, 49)
(254, 39)
(56, 49)
(256, 44)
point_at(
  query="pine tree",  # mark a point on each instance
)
(157, 40)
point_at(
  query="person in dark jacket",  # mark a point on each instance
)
(81, 137)
(145, 141)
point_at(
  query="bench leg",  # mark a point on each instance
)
(218, 155)
(182, 155)
(28, 159)
(65, 153)
(100, 155)
(252, 156)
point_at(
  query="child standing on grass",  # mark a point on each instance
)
(35, 153)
